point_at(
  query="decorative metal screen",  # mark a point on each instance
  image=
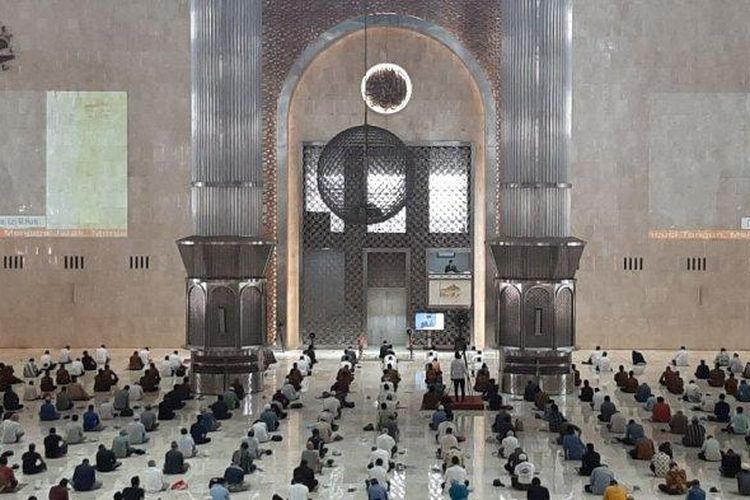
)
(386, 270)
(411, 229)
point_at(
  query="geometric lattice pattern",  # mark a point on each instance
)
(345, 246)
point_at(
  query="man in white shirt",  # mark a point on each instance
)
(447, 442)
(101, 356)
(261, 432)
(31, 392)
(64, 356)
(379, 473)
(377, 453)
(302, 366)
(385, 442)
(298, 491)
(11, 430)
(454, 474)
(523, 473)
(692, 392)
(145, 355)
(45, 361)
(30, 369)
(288, 391)
(106, 410)
(165, 368)
(74, 431)
(333, 405)
(136, 392)
(509, 444)
(175, 361)
(681, 357)
(708, 403)
(186, 444)
(76, 368)
(390, 359)
(594, 358)
(735, 365)
(711, 450)
(597, 399)
(153, 479)
(137, 431)
(603, 364)
(443, 427)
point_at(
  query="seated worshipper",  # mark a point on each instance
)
(530, 391)
(8, 481)
(743, 480)
(587, 392)
(681, 357)
(309, 455)
(305, 475)
(637, 358)
(333, 405)
(378, 474)
(606, 410)
(631, 384)
(134, 491)
(633, 432)
(594, 357)
(148, 419)
(11, 430)
(74, 431)
(231, 399)
(101, 355)
(7, 378)
(62, 377)
(730, 463)
(221, 410)
(45, 360)
(589, 461)
(174, 462)
(186, 444)
(541, 400)
(721, 410)
(431, 399)
(597, 399)
(555, 418)
(676, 385)
(661, 412)
(502, 424)
(573, 447)
(386, 442)
(731, 385)
(239, 390)
(508, 444)
(692, 393)
(47, 411)
(199, 432)
(31, 392)
(716, 377)
(599, 481)
(76, 368)
(644, 449)
(702, 372)
(11, 401)
(122, 402)
(743, 392)
(493, 397)
(106, 410)
(483, 379)
(660, 462)
(166, 409)
(135, 363)
(175, 361)
(270, 418)
(106, 460)
(694, 434)
(711, 450)
(150, 379)
(137, 431)
(30, 369)
(535, 492)
(738, 423)
(513, 460)
(576, 375)
(136, 392)
(722, 358)
(102, 383)
(447, 441)
(621, 376)
(234, 478)
(679, 423)
(89, 363)
(46, 384)
(391, 375)
(76, 391)
(735, 365)
(617, 423)
(456, 473)
(91, 420)
(522, 474)
(438, 417)
(63, 401)
(54, 446)
(165, 367)
(616, 491)
(121, 446)
(676, 481)
(643, 392)
(295, 377)
(289, 391)
(603, 365)
(32, 462)
(153, 479)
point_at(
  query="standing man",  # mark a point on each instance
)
(458, 376)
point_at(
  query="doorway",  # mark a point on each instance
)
(386, 273)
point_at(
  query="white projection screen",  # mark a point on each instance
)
(64, 162)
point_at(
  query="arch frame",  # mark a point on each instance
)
(491, 145)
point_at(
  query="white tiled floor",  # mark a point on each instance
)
(417, 480)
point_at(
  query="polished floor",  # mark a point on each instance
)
(419, 477)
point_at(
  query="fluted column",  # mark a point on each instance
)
(226, 258)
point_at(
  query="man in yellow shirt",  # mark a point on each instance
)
(615, 492)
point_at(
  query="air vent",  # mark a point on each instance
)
(696, 264)
(139, 262)
(12, 261)
(632, 263)
(74, 262)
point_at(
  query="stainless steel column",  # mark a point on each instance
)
(535, 256)
(227, 257)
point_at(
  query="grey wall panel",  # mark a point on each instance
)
(196, 315)
(509, 326)
(537, 304)
(228, 210)
(564, 317)
(222, 317)
(252, 309)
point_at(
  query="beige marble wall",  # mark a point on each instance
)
(660, 138)
(140, 47)
(445, 105)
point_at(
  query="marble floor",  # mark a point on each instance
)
(418, 478)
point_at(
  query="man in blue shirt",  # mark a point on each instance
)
(84, 477)
(696, 492)
(376, 491)
(218, 491)
(459, 491)
(91, 420)
(47, 411)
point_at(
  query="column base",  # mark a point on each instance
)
(213, 371)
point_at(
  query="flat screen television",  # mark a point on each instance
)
(429, 321)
